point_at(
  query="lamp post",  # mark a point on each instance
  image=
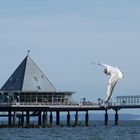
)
(111, 101)
(2, 98)
(99, 101)
(8, 99)
(80, 104)
(17, 98)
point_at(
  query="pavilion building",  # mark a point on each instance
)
(29, 85)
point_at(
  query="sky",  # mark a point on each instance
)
(66, 36)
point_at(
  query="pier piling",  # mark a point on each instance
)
(9, 118)
(86, 118)
(39, 118)
(44, 119)
(51, 118)
(116, 117)
(22, 119)
(27, 118)
(19, 120)
(57, 118)
(76, 118)
(14, 118)
(106, 117)
(68, 119)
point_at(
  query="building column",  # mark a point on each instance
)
(106, 117)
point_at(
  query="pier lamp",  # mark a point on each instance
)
(81, 100)
(99, 101)
(8, 98)
(111, 101)
(17, 98)
(2, 97)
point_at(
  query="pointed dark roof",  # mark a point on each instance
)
(28, 77)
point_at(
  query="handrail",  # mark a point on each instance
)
(75, 104)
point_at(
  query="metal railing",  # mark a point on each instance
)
(42, 104)
(70, 104)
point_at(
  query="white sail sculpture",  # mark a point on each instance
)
(116, 74)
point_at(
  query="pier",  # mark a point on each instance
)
(23, 113)
(28, 93)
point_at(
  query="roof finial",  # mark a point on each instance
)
(28, 52)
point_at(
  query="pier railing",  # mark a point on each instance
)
(124, 104)
(37, 104)
(72, 104)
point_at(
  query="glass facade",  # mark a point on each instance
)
(36, 97)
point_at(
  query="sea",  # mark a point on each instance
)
(126, 130)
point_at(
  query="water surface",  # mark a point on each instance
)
(127, 130)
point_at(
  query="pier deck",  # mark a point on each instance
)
(24, 112)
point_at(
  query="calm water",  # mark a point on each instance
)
(127, 130)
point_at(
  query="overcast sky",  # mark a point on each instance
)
(66, 36)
